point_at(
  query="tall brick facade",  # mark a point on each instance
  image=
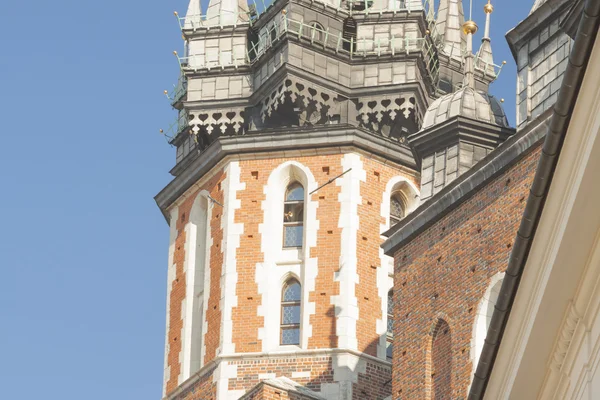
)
(356, 106)
(441, 277)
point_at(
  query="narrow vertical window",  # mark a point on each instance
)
(349, 34)
(397, 208)
(290, 313)
(390, 325)
(441, 354)
(293, 216)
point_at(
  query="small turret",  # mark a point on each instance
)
(218, 13)
(485, 59)
(459, 129)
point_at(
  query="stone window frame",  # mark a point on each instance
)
(197, 271)
(318, 28)
(280, 263)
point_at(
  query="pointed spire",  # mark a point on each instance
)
(485, 58)
(226, 12)
(449, 23)
(192, 17)
(469, 28)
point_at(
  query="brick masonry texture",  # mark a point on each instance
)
(266, 392)
(246, 322)
(177, 295)
(368, 244)
(442, 274)
(203, 389)
(320, 369)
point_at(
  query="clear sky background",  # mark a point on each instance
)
(83, 247)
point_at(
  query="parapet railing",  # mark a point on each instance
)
(257, 8)
(353, 47)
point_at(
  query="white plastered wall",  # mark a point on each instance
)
(280, 264)
(385, 281)
(174, 215)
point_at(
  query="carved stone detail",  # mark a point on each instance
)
(565, 337)
(210, 124)
(298, 103)
(390, 116)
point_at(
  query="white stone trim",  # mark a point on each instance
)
(232, 233)
(410, 191)
(196, 290)
(279, 264)
(171, 272)
(483, 318)
(223, 373)
(385, 274)
(346, 303)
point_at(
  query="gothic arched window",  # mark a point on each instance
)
(293, 216)
(290, 313)
(316, 31)
(397, 208)
(390, 325)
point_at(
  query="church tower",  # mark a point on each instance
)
(293, 156)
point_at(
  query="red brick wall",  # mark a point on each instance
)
(368, 243)
(267, 392)
(246, 322)
(444, 272)
(178, 288)
(320, 369)
(203, 389)
(374, 384)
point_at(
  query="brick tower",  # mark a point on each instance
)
(293, 157)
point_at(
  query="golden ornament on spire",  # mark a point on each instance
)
(488, 8)
(470, 27)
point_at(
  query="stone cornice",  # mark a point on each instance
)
(428, 141)
(289, 140)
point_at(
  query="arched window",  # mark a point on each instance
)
(390, 325)
(290, 313)
(316, 31)
(293, 216)
(397, 208)
(484, 317)
(441, 357)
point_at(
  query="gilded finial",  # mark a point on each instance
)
(488, 8)
(470, 27)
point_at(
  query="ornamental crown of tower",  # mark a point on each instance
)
(374, 65)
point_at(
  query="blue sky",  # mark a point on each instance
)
(83, 247)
